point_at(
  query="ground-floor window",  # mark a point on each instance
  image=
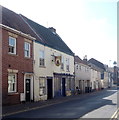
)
(12, 83)
(57, 86)
(42, 86)
(70, 83)
(69, 86)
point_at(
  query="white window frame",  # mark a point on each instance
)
(62, 63)
(77, 66)
(15, 83)
(42, 86)
(12, 45)
(67, 64)
(27, 50)
(41, 58)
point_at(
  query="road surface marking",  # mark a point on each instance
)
(115, 114)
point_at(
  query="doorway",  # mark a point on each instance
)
(63, 87)
(27, 90)
(49, 88)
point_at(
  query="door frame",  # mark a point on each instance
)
(29, 76)
(63, 82)
(51, 80)
(28, 99)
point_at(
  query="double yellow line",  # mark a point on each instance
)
(115, 115)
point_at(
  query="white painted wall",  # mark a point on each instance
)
(106, 80)
(50, 66)
(83, 73)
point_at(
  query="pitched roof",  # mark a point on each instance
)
(97, 63)
(13, 20)
(41, 33)
(48, 37)
(79, 60)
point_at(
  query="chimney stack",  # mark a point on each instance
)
(52, 29)
(85, 59)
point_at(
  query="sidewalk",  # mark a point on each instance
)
(13, 109)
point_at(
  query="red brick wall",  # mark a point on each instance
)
(18, 62)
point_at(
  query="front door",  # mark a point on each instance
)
(27, 90)
(49, 88)
(63, 87)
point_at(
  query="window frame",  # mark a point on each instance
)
(15, 83)
(62, 63)
(67, 64)
(27, 50)
(41, 59)
(42, 86)
(13, 38)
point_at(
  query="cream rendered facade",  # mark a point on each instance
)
(86, 76)
(82, 76)
(95, 79)
(42, 73)
(106, 80)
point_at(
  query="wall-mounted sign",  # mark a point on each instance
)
(58, 60)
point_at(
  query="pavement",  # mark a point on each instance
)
(19, 108)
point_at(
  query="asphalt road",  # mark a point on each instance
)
(101, 104)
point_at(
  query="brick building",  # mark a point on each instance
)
(17, 59)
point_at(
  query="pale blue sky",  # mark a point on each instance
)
(89, 27)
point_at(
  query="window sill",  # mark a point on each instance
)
(13, 93)
(42, 66)
(27, 57)
(12, 54)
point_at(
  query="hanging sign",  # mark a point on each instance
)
(57, 60)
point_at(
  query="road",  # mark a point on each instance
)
(102, 104)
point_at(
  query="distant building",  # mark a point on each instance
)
(116, 75)
(82, 75)
(103, 74)
(111, 76)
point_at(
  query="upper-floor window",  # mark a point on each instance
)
(67, 64)
(26, 49)
(62, 63)
(41, 58)
(12, 45)
(102, 75)
(80, 67)
(11, 83)
(77, 67)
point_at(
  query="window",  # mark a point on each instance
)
(80, 67)
(11, 83)
(62, 63)
(12, 45)
(41, 59)
(102, 75)
(67, 64)
(42, 89)
(70, 84)
(77, 67)
(27, 49)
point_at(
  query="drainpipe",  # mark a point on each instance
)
(33, 68)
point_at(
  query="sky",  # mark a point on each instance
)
(88, 27)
